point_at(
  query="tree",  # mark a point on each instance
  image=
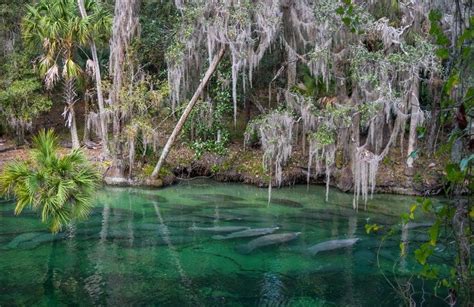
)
(20, 103)
(124, 30)
(59, 186)
(228, 25)
(104, 23)
(57, 27)
(187, 111)
(21, 96)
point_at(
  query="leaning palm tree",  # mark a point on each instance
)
(60, 187)
(58, 27)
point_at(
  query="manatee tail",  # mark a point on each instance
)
(218, 237)
(244, 249)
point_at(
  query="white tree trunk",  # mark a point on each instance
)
(69, 114)
(98, 82)
(415, 120)
(74, 135)
(187, 111)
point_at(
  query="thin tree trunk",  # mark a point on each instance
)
(187, 111)
(125, 28)
(74, 135)
(87, 130)
(461, 234)
(415, 120)
(98, 82)
(69, 114)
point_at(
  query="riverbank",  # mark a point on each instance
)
(245, 166)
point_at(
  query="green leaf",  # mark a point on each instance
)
(372, 228)
(340, 10)
(465, 162)
(453, 80)
(422, 253)
(433, 232)
(426, 205)
(469, 99)
(442, 53)
(413, 154)
(402, 249)
(429, 272)
(453, 173)
(346, 21)
(405, 217)
(434, 16)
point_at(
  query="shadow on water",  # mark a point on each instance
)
(159, 247)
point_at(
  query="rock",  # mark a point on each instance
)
(156, 183)
(91, 145)
(120, 181)
(344, 182)
(66, 144)
(410, 171)
(339, 158)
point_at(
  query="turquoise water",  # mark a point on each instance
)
(139, 248)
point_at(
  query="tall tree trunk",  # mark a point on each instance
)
(98, 82)
(292, 63)
(414, 104)
(187, 111)
(436, 92)
(74, 136)
(125, 29)
(69, 114)
(462, 232)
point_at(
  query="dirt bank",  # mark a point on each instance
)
(245, 166)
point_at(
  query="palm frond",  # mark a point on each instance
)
(60, 187)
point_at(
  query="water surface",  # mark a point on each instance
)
(137, 249)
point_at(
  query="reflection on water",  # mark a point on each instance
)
(144, 247)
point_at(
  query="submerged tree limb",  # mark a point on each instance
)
(187, 111)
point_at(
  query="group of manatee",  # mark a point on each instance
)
(266, 237)
(261, 237)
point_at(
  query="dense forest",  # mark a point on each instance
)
(365, 96)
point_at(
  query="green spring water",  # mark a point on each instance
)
(137, 249)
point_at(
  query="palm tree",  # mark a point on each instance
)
(59, 186)
(58, 27)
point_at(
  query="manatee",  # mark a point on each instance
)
(229, 205)
(282, 202)
(181, 209)
(23, 238)
(43, 238)
(121, 234)
(418, 237)
(247, 233)
(154, 241)
(331, 245)
(413, 225)
(223, 217)
(148, 226)
(218, 229)
(267, 240)
(213, 197)
(150, 195)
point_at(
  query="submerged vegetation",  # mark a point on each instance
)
(360, 95)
